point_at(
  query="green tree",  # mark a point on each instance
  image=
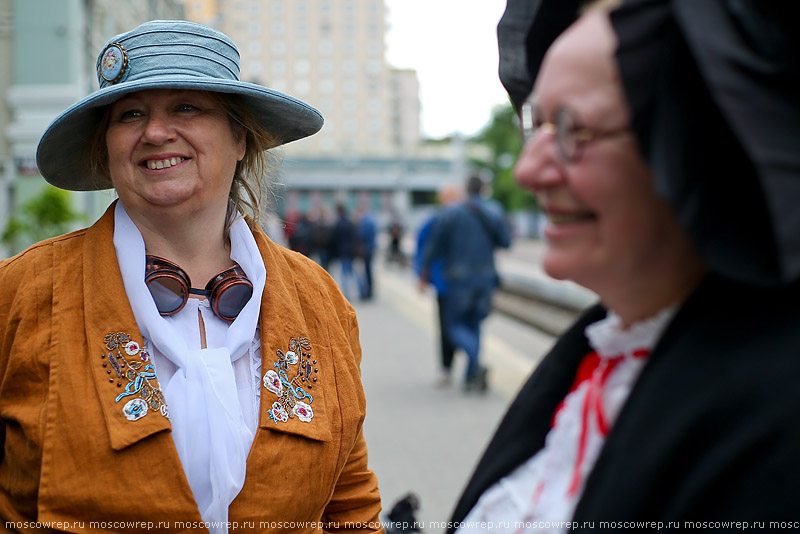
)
(48, 214)
(502, 137)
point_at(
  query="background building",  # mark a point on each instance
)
(330, 53)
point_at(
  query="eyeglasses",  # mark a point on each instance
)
(170, 286)
(570, 138)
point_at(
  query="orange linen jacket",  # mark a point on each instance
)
(71, 458)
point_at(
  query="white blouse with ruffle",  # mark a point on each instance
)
(541, 494)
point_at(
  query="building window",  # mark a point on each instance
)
(278, 68)
(349, 66)
(254, 68)
(326, 86)
(301, 48)
(302, 66)
(349, 86)
(278, 48)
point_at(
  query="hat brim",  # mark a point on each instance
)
(62, 155)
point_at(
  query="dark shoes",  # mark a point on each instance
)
(479, 382)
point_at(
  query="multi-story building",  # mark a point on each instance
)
(329, 53)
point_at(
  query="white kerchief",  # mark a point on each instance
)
(208, 427)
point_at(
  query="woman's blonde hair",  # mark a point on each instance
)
(251, 179)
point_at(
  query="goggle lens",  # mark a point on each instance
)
(229, 303)
(168, 293)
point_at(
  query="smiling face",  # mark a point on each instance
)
(606, 227)
(171, 149)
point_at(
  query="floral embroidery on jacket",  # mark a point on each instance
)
(292, 392)
(128, 360)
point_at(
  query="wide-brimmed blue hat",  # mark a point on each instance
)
(162, 54)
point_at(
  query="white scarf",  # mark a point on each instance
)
(208, 427)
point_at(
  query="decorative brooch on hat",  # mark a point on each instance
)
(128, 360)
(113, 62)
(292, 392)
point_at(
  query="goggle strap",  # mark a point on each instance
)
(203, 292)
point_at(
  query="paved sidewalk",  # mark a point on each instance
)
(422, 438)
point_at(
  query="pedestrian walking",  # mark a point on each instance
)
(366, 231)
(463, 237)
(321, 228)
(300, 240)
(396, 230)
(674, 400)
(448, 195)
(342, 251)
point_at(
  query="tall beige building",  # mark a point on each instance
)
(331, 54)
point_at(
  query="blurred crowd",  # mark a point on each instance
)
(344, 244)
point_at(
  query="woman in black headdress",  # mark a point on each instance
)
(674, 399)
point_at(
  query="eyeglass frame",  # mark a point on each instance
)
(581, 135)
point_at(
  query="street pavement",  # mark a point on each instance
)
(422, 438)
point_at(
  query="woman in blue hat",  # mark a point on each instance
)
(170, 367)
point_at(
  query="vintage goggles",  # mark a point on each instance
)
(170, 286)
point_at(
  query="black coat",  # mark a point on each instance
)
(710, 431)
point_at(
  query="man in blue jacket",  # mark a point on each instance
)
(463, 237)
(449, 194)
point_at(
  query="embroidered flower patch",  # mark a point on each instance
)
(278, 413)
(273, 382)
(292, 392)
(135, 409)
(303, 411)
(130, 362)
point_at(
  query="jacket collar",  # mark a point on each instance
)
(111, 328)
(284, 327)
